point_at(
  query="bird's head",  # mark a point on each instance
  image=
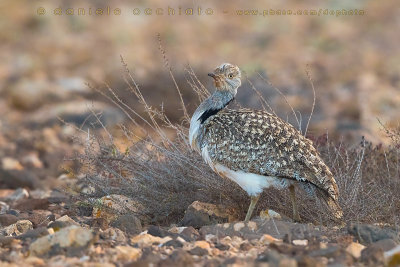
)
(226, 78)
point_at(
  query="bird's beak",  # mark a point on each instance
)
(212, 75)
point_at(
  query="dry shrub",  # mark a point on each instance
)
(163, 175)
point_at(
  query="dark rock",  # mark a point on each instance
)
(6, 241)
(199, 214)
(270, 256)
(37, 217)
(14, 179)
(372, 255)
(34, 233)
(84, 210)
(329, 252)
(179, 256)
(148, 257)
(222, 247)
(4, 207)
(245, 246)
(7, 219)
(198, 251)
(158, 231)
(13, 212)
(32, 204)
(190, 234)
(174, 243)
(128, 223)
(367, 234)
(386, 244)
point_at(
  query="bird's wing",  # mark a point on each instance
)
(258, 142)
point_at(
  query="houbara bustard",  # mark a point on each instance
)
(256, 149)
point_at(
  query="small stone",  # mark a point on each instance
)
(18, 194)
(18, 228)
(180, 239)
(37, 217)
(72, 237)
(127, 253)
(11, 164)
(222, 247)
(367, 234)
(32, 161)
(198, 251)
(14, 179)
(298, 242)
(32, 204)
(237, 241)
(128, 223)
(114, 234)
(386, 244)
(245, 246)
(157, 231)
(199, 214)
(181, 257)
(6, 241)
(145, 240)
(210, 238)
(174, 243)
(35, 233)
(270, 214)
(238, 226)
(202, 244)
(355, 249)
(189, 234)
(7, 219)
(252, 225)
(372, 255)
(267, 239)
(4, 207)
(176, 230)
(111, 205)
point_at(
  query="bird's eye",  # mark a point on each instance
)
(230, 75)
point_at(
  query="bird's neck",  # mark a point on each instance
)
(209, 107)
(212, 105)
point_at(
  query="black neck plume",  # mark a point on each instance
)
(210, 112)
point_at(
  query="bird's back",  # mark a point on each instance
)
(259, 142)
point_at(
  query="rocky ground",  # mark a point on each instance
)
(41, 228)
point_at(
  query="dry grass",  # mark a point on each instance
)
(163, 175)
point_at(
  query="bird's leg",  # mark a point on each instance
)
(254, 200)
(296, 216)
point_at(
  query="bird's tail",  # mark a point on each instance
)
(332, 204)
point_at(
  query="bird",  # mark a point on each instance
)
(257, 149)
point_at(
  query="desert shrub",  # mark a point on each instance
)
(161, 173)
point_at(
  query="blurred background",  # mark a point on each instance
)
(49, 52)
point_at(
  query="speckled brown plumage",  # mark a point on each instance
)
(256, 141)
